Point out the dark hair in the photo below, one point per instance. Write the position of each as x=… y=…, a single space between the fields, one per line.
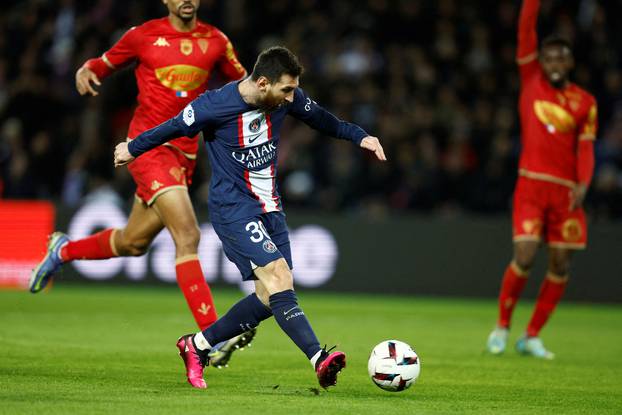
x=274 y=62
x=555 y=40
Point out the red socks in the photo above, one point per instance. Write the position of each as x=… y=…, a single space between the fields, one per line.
x=551 y=292
x=198 y=294
x=514 y=280
x=97 y=246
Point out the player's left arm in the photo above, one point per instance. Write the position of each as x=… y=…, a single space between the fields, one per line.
x=307 y=110
x=228 y=64
x=192 y=119
x=585 y=157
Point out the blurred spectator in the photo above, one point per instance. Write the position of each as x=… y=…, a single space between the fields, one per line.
x=436 y=81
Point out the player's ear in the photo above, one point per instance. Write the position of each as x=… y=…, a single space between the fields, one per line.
x=262 y=83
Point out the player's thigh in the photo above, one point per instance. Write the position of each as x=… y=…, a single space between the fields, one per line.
x=528 y=211
x=276 y=227
x=177 y=213
x=160 y=170
x=143 y=225
x=247 y=244
x=525 y=253
x=566 y=229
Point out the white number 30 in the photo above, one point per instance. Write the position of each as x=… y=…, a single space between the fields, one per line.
x=257 y=230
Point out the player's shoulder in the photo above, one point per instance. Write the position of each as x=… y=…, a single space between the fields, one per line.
x=211 y=29
x=221 y=99
x=153 y=24
x=586 y=96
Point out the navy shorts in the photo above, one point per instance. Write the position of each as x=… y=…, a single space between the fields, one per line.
x=255 y=242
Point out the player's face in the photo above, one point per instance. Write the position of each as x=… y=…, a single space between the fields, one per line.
x=556 y=62
x=186 y=10
x=273 y=95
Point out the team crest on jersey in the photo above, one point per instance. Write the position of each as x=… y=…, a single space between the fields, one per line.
x=269 y=246
x=185 y=46
x=203 y=45
x=255 y=125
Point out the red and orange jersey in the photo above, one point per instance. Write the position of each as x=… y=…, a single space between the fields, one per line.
x=172 y=69
x=557 y=125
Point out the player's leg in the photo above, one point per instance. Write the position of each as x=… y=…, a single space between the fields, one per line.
x=143 y=225
x=176 y=212
x=566 y=231
x=551 y=290
x=527 y=214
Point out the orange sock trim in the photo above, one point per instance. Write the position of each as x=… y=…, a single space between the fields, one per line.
x=551 y=291
x=514 y=280
x=196 y=291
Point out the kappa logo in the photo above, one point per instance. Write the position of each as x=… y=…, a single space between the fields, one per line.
x=161 y=42
x=155 y=185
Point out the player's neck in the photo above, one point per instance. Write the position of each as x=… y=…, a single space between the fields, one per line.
x=248 y=91
x=182 y=25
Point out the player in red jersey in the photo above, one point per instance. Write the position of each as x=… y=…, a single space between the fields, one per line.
x=558 y=123
x=174 y=58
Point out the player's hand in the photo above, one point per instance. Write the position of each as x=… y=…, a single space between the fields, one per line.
x=373 y=144
x=122 y=155
x=84 y=80
x=577 y=196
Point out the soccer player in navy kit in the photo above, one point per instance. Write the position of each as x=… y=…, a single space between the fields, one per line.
x=241 y=123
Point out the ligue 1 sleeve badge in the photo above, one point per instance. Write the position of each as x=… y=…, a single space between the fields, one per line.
x=269 y=246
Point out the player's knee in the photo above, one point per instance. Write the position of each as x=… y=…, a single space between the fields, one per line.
x=187 y=240
x=281 y=278
x=524 y=263
x=559 y=266
x=134 y=246
x=524 y=260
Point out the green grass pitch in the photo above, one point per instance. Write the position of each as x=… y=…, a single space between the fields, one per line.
x=111 y=350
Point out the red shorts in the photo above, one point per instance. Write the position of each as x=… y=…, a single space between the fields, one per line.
x=160 y=170
x=542 y=208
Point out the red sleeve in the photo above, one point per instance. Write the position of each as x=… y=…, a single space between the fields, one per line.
x=228 y=63
x=585 y=151
x=119 y=55
x=527 y=49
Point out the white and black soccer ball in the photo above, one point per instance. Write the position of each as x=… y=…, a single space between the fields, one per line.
x=393 y=365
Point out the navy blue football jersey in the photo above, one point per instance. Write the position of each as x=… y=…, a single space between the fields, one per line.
x=242 y=144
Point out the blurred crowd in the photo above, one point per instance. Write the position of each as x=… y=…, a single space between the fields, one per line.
x=436 y=81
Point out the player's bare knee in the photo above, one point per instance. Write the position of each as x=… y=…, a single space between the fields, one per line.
x=279 y=277
x=524 y=261
x=133 y=247
x=187 y=240
x=559 y=266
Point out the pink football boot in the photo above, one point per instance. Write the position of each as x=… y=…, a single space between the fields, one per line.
x=194 y=360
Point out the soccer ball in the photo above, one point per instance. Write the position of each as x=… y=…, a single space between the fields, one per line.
x=393 y=365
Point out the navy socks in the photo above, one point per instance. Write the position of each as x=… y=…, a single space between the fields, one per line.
x=243 y=316
x=293 y=321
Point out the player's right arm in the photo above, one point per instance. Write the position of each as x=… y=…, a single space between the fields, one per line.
x=192 y=119
x=527 y=47
x=94 y=70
